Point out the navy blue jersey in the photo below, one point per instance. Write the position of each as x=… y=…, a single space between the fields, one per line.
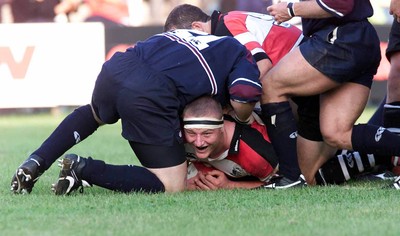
x=148 y=86
x=342 y=11
x=202 y=64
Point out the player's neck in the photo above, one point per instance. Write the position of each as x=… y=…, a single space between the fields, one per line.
x=229 y=128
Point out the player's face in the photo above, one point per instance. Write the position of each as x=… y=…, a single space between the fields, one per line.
x=206 y=142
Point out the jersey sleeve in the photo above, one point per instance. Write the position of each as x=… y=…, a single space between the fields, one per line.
x=235 y=22
x=244 y=84
x=338 y=8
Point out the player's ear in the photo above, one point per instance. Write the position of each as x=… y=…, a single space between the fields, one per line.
x=197 y=25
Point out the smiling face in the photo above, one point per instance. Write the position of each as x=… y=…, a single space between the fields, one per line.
x=207 y=143
x=203 y=125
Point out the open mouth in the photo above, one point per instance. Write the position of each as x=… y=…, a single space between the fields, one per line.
x=202 y=148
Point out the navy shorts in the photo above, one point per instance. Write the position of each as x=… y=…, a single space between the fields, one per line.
x=345 y=53
x=147 y=104
x=394 y=39
x=145 y=101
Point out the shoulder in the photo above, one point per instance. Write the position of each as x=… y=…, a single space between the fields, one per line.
x=337 y=7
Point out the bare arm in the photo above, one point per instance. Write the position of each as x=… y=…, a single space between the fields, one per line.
x=307 y=9
x=264 y=66
x=243 y=111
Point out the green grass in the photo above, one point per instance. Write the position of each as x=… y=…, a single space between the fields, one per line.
x=357 y=208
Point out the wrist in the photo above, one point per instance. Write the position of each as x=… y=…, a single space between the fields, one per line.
x=238 y=120
x=290 y=8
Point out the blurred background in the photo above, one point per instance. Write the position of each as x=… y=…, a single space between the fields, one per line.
x=52 y=50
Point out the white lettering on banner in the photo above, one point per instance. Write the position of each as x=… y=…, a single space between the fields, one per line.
x=49 y=64
x=17 y=68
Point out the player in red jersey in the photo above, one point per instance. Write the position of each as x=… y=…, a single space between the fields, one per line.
x=217 y=142
x=224 y=154
x=267 y=42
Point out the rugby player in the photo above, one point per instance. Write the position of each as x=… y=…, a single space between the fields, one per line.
x=334 y=67
x=147 y=88
x=267 y=41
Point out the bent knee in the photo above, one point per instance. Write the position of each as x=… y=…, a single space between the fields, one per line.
x=173 y=178
x=174 y=187
x=337 y=139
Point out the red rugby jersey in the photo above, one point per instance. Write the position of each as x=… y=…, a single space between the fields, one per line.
x=250 y=154
x=258 y=32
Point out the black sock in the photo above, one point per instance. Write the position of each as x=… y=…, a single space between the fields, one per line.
x=121 y=178
x=375 y=140
x=377 y=117
x=74 y=128
x=391 y=117
x=344 y=166
x=281 y=127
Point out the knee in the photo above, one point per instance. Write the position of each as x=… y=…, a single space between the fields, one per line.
x=337 y=138
x=271 y=88
x=174 y=186
x=173 y=178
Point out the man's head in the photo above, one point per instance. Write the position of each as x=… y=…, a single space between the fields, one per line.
x=187 y=16
x=204 y=126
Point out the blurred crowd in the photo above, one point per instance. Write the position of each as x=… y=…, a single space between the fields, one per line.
x=112 y=12
x=133 y=12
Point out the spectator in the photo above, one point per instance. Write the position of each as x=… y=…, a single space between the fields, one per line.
x=112 y=13
x=24 y=11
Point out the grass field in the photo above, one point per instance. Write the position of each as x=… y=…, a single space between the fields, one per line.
x=357 y=208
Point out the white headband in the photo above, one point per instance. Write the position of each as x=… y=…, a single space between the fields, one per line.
x=203 y=123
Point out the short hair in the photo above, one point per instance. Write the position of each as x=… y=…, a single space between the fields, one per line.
x=202 y=107
x=182 y=17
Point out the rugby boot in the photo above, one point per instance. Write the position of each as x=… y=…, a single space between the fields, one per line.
x=70 y=178
x=27 y=174
x=285 y=183
x=395 y=184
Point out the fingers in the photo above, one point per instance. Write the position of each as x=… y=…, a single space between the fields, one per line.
x=205 y=182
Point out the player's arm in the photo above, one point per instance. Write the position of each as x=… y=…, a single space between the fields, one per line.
x=310 y=9
x=242 y=111
x=238 y=28
x=264 y=66
x=245 y=87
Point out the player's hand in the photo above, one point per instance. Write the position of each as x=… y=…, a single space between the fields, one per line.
x=279 y=11
x=213 y=180
x=190 y=184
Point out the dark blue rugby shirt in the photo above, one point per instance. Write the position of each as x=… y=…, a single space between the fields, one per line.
x=202 y=64
x=342 y=11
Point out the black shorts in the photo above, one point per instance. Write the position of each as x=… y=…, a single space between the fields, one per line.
x=145 y=101
x=346 y=53
x=155 y=156
x=394 y=39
